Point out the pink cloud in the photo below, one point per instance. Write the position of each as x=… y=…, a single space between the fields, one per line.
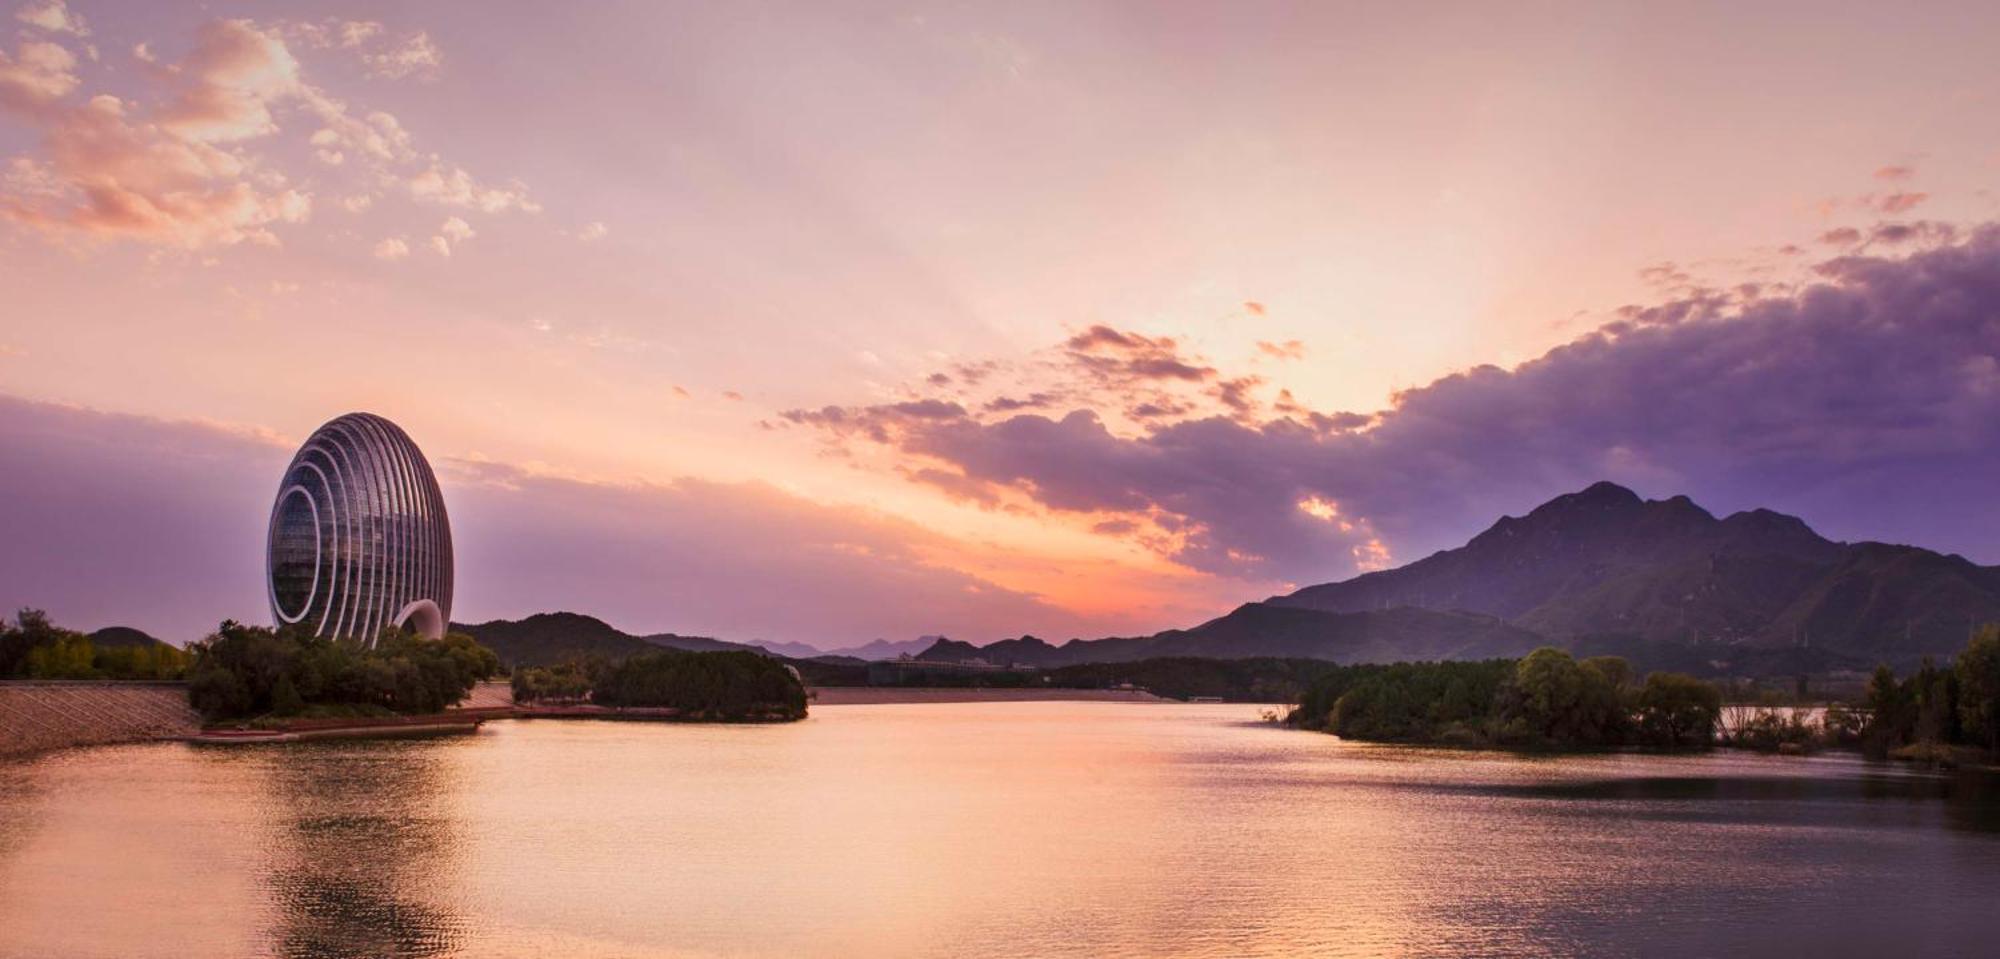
x=53 y=16
x=38 y=73
x=1112 y=355
x=413 y=56
x=1900 y=202
x=452 y=186
x=173 y=164
x=232 y=79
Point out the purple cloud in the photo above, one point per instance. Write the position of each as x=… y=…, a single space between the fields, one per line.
x=1864 y=402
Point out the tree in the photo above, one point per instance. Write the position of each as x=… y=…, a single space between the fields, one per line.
x=1678 y=711
x=1891 y=721
x=1614 y=669
x=34 y=647
x=285 y=699
x=1978 y=675
x=1933 y=695
x=1553 y=700
x=68 y=656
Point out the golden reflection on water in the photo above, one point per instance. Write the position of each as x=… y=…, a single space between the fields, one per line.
x=1096 y=829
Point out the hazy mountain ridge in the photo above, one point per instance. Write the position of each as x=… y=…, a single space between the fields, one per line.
x=872 y=650
x=548 y=638
x=1265 y=630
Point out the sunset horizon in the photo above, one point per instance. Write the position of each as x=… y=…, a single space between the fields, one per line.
x=958 y=339
x=1095 y=478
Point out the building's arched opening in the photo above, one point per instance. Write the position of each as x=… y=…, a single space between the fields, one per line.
x=422 y=618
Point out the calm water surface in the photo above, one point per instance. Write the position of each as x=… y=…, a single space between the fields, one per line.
x=1027 y=829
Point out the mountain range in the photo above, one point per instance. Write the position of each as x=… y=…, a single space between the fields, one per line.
x=548 y=638
x=871 y=650
x=1664 y=583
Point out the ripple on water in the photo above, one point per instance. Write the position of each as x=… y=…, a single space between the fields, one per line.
x=1099 y=829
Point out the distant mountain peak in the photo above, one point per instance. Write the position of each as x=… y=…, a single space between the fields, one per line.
x=1603 y=491
x=1603 y=562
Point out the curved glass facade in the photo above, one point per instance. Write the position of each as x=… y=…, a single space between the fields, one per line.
x=359 y=539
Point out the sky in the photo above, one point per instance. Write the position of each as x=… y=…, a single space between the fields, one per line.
x=828 y=322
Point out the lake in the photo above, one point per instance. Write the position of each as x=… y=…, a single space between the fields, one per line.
x=1023 y=829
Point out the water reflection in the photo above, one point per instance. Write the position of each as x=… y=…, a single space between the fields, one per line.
x=20 y=801
x=1079 y=829
x=363 y=850
x=1969 y=799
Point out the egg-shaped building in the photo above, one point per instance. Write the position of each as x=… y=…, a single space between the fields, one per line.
x=359 y=540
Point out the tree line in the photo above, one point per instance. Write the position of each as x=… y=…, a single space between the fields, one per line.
x=1545 y=700
x=33 y=647
x=251 y=671
x=717 y=685
x=1938 y=709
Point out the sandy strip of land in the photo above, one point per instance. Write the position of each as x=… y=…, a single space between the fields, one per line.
x=882 y=695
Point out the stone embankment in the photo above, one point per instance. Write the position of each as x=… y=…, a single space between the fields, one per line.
x=38 y=715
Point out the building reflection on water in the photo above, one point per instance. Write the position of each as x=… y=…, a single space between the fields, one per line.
x=364 y=848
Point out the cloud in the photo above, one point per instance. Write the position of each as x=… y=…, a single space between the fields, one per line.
x=410 y=55
x=1920 y=231
x=592 y=231
x=53 y=16
x=118 y=519
x=1841 y=236
x=114 y=175
x=1008 y=404
x=1111 y=355
x=37 y=74
x=452 y=230
x=392 y=248
x=1900 y=202
x=1864 y=401
x=452 y=186
x=1288 y=350
x=1895 y=172
x=115 y=519
x=183 y=161
x=230 y=82
x=354 y=33
x=413 y=56
x=111 y=170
